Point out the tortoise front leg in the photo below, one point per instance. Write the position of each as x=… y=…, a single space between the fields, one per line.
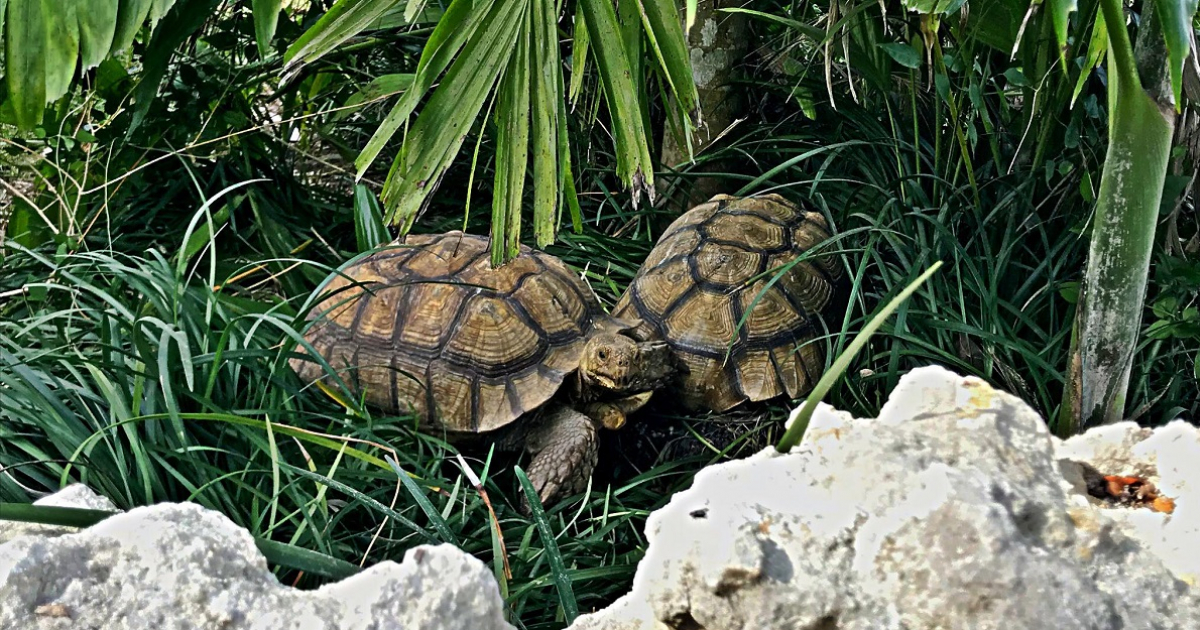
x=565 y=449
x=612 y=414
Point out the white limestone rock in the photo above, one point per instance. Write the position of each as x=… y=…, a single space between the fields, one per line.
x=180 y=566
x=75 y=495
x=949 y=511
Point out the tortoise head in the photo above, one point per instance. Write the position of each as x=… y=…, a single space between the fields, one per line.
x=610 y=361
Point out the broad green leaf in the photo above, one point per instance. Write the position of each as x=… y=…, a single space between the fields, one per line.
x=998 y=22
x=170 y=33
x=62 y=46
x=1017 y=77
x=380 y=86
x=97 y=25
x=512 y=148
x=547 y=96
x=131 y=14
x=345 y=19
x=661 y=20
x=444 y=43
x=566 y=179
x=26 y=227
x=629 y=19
x=413 y=8
x=1097 y=48
x=1060 y=12
x=579 y=55
x=369 y=229
x=932 y=7
x=1173 y=187
x=633 y=153
x=158 y=10
x=902 y=54
x=3 y=10
x=398 y=16
x=266 y=17
x=1176 y=18
x=25 y=54
x=440 y=129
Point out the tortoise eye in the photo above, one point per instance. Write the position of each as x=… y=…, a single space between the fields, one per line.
x=602 y=355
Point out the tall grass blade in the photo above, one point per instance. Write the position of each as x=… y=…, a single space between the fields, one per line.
x=795 y=432
x=435 y=517
x=558 y=570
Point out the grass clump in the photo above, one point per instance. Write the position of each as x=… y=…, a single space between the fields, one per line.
x=132 y=375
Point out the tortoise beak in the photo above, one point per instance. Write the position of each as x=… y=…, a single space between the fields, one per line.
x=606 y=382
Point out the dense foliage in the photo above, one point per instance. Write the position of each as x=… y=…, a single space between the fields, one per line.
x=161 y=253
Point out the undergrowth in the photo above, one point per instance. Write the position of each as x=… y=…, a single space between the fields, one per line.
x=146 y=356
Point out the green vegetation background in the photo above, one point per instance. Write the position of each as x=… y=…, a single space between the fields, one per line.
x=151 y=290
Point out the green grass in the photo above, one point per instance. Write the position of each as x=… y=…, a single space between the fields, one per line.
x=128 y=372
x=122 y=367
x=142 y=382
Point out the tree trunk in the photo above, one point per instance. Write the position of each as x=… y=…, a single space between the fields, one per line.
x=718 y=42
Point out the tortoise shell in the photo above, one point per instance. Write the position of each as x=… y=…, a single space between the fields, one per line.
x=431 y=328
x=706 y=274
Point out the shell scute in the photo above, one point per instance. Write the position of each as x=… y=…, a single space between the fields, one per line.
x=429 y=327
x=733 y=247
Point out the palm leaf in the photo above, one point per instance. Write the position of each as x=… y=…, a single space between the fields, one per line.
x=512 y=148
x=440 y=129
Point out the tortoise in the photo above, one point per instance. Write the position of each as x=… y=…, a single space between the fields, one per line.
x=706 y=271
x=481 y=354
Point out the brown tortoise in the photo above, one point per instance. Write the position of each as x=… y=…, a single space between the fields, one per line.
x=476 y=352
x=705 y=273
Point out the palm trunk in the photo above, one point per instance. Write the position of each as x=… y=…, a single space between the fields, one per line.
x=1141 y=124
x=717 y=43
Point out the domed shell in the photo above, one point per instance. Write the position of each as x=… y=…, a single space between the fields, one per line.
x=709 y=271
x=430 y=327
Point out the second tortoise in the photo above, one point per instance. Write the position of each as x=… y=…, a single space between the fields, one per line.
x=706 y=290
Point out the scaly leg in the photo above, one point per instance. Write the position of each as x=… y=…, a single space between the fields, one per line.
x=565 y=448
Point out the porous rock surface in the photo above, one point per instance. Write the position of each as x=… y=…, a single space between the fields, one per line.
x=954 y=509
x=181 y=566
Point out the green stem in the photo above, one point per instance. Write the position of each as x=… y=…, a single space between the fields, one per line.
x=1114 y=285
x=1119 y=47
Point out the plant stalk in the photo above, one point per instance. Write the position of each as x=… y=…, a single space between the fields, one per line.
x=1114 y=286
